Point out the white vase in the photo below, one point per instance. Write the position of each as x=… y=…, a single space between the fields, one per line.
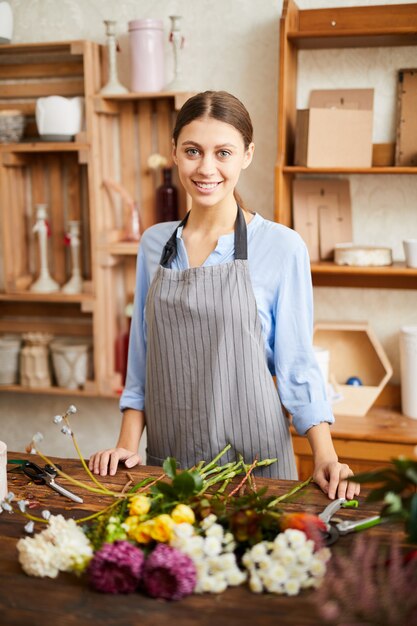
x=45 y=283
x=59 y=118
x=408 y=363
x=6 y=22
x=113 y=85
x=75 y=283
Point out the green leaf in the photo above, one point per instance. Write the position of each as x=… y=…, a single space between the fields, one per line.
x=393 y=503
x=376 y=476
x=412 y=521
x=166 y=490
x=411 y=474
x=183 y=484
x=198 y=481
x=170 y=467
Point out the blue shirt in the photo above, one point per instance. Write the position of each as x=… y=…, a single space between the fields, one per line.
x=280 y=274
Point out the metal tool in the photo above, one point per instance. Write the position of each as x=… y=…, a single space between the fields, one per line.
x=46 y=475
x=346 y=526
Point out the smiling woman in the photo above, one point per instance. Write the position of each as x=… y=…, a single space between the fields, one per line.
x=214 y=321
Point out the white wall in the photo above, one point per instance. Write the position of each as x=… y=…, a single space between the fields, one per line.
x=233 y=45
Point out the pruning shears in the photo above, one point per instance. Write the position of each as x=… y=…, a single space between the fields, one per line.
x=46 y=476
x=333 y=531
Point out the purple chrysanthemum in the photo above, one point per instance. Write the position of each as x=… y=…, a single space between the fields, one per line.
x=169 y=574
x=116 y=568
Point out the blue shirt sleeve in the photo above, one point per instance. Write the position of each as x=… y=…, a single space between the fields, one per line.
x=300 y=384
x=133 y=396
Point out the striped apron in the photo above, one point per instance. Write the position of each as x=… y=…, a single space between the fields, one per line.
x=207 y=379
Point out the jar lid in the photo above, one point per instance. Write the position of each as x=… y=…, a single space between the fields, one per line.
x=145 y=23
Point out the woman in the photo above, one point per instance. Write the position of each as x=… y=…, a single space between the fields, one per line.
x=223 y=302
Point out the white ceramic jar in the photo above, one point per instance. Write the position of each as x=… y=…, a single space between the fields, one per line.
x=147 y=55
x=59 y=118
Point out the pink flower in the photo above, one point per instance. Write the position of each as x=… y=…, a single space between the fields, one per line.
x=169 y=574
x=116 y=568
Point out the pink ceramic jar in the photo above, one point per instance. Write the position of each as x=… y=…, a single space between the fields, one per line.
x=147 y=55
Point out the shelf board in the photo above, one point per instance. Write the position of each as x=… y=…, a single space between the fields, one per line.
x=54 y=391
x=44 y=146
x=108 y=103
x=355 y=27
x=26 y=296
x=298 y=169
x=396 y=276
x=122 y=248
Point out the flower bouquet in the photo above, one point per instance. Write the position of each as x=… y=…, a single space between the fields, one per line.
x=179 y=533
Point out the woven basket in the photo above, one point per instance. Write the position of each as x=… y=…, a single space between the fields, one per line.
x=12 y=124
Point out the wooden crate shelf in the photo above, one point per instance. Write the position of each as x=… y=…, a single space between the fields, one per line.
x=335 y=27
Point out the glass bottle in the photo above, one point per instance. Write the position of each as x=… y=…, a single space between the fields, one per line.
x=167 y=198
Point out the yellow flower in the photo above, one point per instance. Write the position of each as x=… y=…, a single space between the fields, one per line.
x=143 y=531
x=162 y=528
x=139 y=505
x=183 y=514
x=130 y=524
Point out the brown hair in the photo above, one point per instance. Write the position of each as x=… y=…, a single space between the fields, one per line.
x=218 y=105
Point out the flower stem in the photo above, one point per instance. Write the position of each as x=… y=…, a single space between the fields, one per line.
x=87 y=469
x=216 y=458
x=78 y=483
x=244 y=479
x=291 y=492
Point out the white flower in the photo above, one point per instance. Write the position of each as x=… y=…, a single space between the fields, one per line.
x=317 y=568
x=208 y=521
x=255 y=584
x=38 y=557
x=29 y=527
x=22 y=505
x=156 y=160
x=258 y=552
x=65 y=430
x=292 y=587
x=278 y=573
x=235 y=577
x=296 y=538
x=37 y=437
x=323 y=555
x=215 y=530
x=304 y=554
x=62 y=546
x=212 y=546
x=287 y=557
x=280 y=542
x=184 y=530
x=46 y=514
x=58 y=419
x=71 y=410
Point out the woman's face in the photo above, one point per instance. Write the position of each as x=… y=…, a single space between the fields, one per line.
x=210 y=156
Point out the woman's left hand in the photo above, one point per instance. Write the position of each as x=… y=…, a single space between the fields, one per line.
x=332 y=476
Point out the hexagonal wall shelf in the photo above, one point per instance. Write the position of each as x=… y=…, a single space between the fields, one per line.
x=354 y=351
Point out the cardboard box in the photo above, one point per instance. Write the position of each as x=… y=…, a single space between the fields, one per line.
x=336 y=131
x=406 y=144
x=322 y=215
x=354 y=351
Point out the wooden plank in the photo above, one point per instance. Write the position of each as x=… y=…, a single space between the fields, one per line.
x=40 y=70
x=364 y=21
x=128 y=159
x=164 y=128
x=147 y=199
x=56 y=326
x=37 y=90
x=406 y=131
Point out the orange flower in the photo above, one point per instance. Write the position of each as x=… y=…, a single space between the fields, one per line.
x=143 y=531
x=308 y=523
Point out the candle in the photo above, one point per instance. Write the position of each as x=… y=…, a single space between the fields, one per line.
x=3 y=470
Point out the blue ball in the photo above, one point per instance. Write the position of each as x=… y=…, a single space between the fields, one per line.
x=355 y=381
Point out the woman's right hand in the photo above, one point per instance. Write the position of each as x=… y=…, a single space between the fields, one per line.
x=106 y=461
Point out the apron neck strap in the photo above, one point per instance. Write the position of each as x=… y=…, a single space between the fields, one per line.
x=241 y=240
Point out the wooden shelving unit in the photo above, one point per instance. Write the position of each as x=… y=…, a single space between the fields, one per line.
x=120 y=133
x=352 y=27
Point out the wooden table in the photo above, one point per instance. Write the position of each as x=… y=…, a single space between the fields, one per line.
x=67 y=601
